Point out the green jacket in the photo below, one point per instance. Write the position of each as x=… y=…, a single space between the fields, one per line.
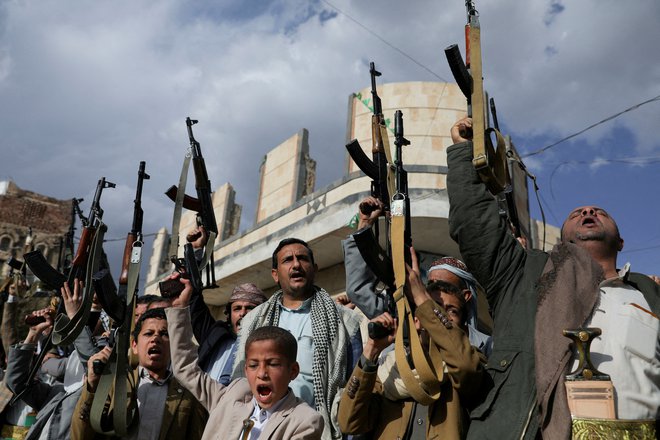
x=509 y=274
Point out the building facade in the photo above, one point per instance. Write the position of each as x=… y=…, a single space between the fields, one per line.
x=288 y=205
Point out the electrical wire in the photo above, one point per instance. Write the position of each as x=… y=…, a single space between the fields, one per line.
x=609 y=118
x=383 y=40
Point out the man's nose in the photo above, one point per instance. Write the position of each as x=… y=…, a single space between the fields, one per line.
x=589 y=211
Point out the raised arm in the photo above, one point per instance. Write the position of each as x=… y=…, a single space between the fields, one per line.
x=184 y=354
x=488 y=248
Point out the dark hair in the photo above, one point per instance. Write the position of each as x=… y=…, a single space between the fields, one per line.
x=157 y=313
x=284 y=341
x=445 y=287
x=148 y=299
x=288 y=241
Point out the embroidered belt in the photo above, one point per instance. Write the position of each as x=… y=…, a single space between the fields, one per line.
x=588 y=429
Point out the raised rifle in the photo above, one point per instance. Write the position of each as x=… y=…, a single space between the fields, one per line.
x=120 y=305
x=203 y=204
x=188 y=268
x=490 y=162
x=506 y=197
x=83 y=265
x=115 y=301
x=378 y=259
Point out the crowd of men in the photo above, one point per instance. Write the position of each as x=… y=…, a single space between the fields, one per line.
x=300 y=365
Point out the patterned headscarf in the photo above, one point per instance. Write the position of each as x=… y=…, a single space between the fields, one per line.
x=458 y=268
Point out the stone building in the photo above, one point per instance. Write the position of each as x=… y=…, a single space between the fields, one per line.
x=20 y=210
x=288 y=205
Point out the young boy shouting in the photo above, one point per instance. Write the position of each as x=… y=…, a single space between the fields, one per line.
x=260 y=406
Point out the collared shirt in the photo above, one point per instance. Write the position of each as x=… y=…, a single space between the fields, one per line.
x=628 y=348
x=151 y=396
x=222 y=359
x=261 y=416
x=298 y=322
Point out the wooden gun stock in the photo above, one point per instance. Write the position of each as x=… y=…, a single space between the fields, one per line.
x=126 y=258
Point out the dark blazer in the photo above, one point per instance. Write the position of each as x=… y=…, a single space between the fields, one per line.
x=208 y=332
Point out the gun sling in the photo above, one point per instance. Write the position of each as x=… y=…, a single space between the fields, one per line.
x=66 y=330
x=491 y=164
x=430 y=370
x=178 y=205
x=117 y=373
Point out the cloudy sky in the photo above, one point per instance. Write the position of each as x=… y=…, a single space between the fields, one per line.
x=88 y=89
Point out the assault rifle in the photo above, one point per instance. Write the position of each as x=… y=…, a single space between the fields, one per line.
x=510 y=211
x=52 y=277
x=120 y=305
x=490 y=162
x=67 y=245
x=115 y=302
x=188 y=268
x=203 y=204
x=83 y=266
x=378 y=259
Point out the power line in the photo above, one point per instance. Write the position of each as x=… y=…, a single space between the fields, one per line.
x=384 y=41
x=609 y=118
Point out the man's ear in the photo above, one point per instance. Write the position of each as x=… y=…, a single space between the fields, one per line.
x=273 y=273
x=134 y=346
x=294 y=370
x=467 y=294
x=620 y=244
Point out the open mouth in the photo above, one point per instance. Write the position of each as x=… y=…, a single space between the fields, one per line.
x=154 y=351
x=588 y=221
x=297 y=276
x=264 y=391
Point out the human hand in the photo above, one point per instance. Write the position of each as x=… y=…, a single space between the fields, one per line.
x=198 y=237
x=461 y=131
x=183 y=299
x=42 y=327
x=72 y=301
x=370 y=209
x=345 y=301
x=414 y=287
x=93 y=378
x=374 y=347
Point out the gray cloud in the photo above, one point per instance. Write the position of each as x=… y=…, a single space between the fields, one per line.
x=89 y=89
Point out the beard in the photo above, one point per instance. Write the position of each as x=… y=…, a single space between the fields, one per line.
x=591 y=236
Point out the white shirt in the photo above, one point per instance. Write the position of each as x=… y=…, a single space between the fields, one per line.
x=261 y=416
x=628 y=348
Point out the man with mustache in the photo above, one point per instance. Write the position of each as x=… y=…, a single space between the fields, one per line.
x=328 y=334
x=535 y=295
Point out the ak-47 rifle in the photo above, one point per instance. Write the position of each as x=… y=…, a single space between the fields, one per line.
x=55 y=279
x=377 y=259
x=203 y=204
x=83 y=265
x=510 y=212
x=188 y=268
x=120 y=305
x=67 y=245
x=114 y=301
x=490 y=162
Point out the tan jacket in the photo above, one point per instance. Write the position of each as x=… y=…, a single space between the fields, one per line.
x=230 y=405
x=184 y=417
x=363 y=408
